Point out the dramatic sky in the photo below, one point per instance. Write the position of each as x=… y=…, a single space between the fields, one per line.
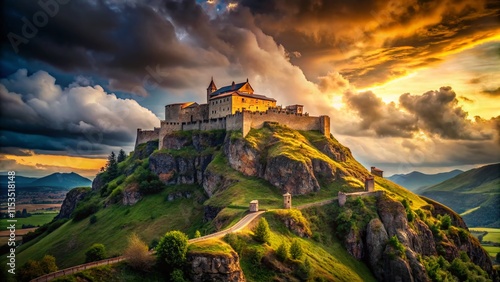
x=409 y=85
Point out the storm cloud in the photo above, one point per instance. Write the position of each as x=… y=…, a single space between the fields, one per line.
x=37 y=113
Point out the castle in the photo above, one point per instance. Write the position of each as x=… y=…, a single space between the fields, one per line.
x=232 y=107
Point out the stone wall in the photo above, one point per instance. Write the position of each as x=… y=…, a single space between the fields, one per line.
x=165 y=128
x=144 y=136
x=294 y=121
x=342 y=197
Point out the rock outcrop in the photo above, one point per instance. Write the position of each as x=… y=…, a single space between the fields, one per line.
x=71 y=200
x=214 y=267
x=131 y=195
x=172 y=169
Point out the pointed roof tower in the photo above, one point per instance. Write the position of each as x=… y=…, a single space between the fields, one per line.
x=212 y=87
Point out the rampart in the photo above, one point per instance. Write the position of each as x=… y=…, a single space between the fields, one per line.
x=144 y=136
x=343 y=196
x=241 y=121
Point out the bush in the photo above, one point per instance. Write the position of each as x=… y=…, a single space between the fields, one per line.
x=304 y=270
x=235 y=242
x=262 y=232
x=95 y=252
x=137 y=254
x=33 y=269
x=282 y=252
x=197 y=234
x=497 y=258
x=296 y=251
x=254 y=254
x=85 y=209
x=445 y=222
x=177 y=276
x=172 y=249
x=400 y=249
x=93 y=219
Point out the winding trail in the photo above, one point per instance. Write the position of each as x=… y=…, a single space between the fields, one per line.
x=241 y=224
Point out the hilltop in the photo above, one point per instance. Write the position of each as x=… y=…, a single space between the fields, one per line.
x=204 y=180
x=475 y=194
x=416 y=181
x=55 y=180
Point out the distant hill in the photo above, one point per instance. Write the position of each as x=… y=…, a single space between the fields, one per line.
x=56 y=180
x=416 y=181
x=475 y=194
x=63 y=180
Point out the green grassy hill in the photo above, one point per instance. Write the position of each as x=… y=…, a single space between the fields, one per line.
x=475 y=194
x=105 y=219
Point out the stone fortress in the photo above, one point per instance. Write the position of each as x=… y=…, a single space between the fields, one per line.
x=232 y=107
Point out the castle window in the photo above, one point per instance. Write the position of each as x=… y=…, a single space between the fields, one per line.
x=242 y=99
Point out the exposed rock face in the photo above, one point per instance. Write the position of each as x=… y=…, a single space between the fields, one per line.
x=73 y=197
x=143 y=151
x=210 y=212
x=416 y=238
x=291 y=176
x=213 y=182
x=179 y=169
x=97 y=183
x=242 y=157
x=209 y=267
x=131 y=195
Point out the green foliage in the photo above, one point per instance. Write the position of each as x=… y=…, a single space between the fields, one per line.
x=85 y=208
x=282 y=252
x=398 y=247
x=172 y=248
x=235 y=242
x=177 y=276
x=121 y=156
x=460 y=269
x=409 y=213
x=33 y=268
x=149 y=183
x=262 y=233
x=93 y=219
x=197 y=234
x=296 y=250
x=445 y=222
x=111 y=167
x=254 y=254
x=355 y=214
x=497 y=258
x=304 y=270
x=95 y=252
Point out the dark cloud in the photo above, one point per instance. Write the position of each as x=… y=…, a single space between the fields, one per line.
x=492 y=92
x=383 y=119
x=438 y=113
x=79 y=120
x=434 y=113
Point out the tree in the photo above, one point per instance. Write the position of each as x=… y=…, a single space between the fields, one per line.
x=121 y=156
x=262 y=231
x=197 y=234
x=445 y=222
x=95 y=252
x=177 y=276
x=32 y=268
x=296 y=251
x=112 y=166
x=137 y=254
x=282 y=252
x=172 y=249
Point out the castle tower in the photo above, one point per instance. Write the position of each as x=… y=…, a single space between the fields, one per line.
x=287 y=200
x=377 y=172
x=211 y=89
x=369 y=184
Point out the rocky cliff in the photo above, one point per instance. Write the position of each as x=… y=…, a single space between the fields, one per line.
x=214 y=267
x=73 y=197
x=394 y=247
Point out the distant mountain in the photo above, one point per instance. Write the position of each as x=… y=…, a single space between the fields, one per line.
x=416 y=181
x=55 y=180
x=475 y=194
x=63 y=180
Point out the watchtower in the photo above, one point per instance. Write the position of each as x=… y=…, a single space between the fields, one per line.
x=287 y=200
x=254 y=206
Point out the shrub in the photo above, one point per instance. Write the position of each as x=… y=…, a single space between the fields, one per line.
x=177 y=276
x=33 y=269
x=304 y=270
x=400 y=249
x=93 y=219
x=85 y=209
x=262 y=232
x=95 y=252
x=197 y=234
x=497 y=258
x=254 y=254
x=235 y=242
x=296 y=251
x=282 y=252
x=137 y=254
x=172 y=249
x=445 y=222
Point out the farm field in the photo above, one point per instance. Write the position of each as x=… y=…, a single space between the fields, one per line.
x=35 y=220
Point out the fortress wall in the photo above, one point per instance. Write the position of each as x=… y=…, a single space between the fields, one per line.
x=294 y=121
x=234 y=122
x=212 y=124
x=165 y=128
x=144 y=136
x=172 y=112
